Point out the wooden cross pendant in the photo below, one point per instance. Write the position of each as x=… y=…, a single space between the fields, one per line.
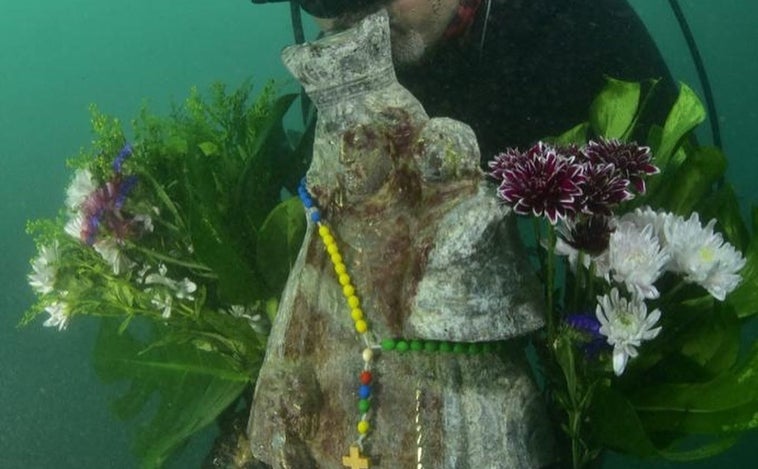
x=355 y=460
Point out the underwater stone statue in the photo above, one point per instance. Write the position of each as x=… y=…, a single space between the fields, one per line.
x=435 y=260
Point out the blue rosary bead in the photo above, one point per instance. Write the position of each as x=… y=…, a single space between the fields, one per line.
x=364 y=391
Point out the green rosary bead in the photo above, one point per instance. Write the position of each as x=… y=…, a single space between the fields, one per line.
x=417 y=345
x=459 y=348
x=364 y=405
x=402 y=346
x=388 y=344
x=431 y=346
x=446 y=347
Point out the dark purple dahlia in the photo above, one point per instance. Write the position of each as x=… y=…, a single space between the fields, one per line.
x=603 y=189
x=632 y=162
x=590 y=234
x=502 y=162
x=542 y=182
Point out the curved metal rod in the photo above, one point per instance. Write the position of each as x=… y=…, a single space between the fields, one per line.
x=701 y=72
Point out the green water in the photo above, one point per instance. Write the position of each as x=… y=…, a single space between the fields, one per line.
x=58 y=57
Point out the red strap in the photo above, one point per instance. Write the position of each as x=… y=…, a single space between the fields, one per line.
x=463 y=19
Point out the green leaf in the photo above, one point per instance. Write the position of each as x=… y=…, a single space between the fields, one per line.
x=708 y=450
x=615 y=424
x=744 y=299
x=259 y=183
x=191 y=388
x=724 y=207
x=613 y=110
x=686 y=114
x=279 y=242
x=576 y=135
x=713 y=343
x=728 y=403
x=683 y=188
x=208 y=148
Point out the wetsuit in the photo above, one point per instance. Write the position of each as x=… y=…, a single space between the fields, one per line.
x=541 y=64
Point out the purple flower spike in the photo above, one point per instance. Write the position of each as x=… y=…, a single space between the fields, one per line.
x=123 y=189
x=125 y=152
x=632 y=162
x=590 y=327
x=586 y=323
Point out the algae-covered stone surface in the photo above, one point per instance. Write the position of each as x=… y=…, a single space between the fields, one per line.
x=432 y=256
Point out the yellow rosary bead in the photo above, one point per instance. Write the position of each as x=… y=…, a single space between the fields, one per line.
x=340 y=268
x=336 y=258
x=356 y=314
x=361 y=326
x=323 y=230
x=352 y=300
x=344 y=279
x=329 y=240
x=348 y=291
x=363 y=427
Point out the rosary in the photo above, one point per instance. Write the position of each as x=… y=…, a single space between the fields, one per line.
x=355 y=459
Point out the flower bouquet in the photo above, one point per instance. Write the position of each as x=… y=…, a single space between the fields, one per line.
x=182 y=240
x=640 y=252
x=182 y=237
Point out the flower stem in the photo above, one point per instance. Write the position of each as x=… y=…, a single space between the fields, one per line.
x=550 y=281
x=170 y=260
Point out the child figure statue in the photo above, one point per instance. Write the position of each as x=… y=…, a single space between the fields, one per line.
x=441 y=288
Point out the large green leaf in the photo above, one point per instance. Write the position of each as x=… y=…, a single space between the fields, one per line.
x=279 y=241
x=713 y=343
x=576 y=135
x=684 y=187
x=613 y=111
x=191 y=388
x=728 y=403
x=724 y=207
x=687 y=113
x=744 y=299
x=615 y=424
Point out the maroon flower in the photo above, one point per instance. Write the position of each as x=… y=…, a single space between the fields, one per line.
x=542 y=182
x=502 y=162
x=602 y=189
x=590 y=234
x=632 y=162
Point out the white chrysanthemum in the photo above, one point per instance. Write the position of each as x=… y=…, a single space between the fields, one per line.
x=80 y=188
x=74 y=225
x=42 y=279
x=642 y=217
x=111 y=252
x=636 y=258
x=723 y=279
x=58 y=315
x=702 y=256
x=625 y=324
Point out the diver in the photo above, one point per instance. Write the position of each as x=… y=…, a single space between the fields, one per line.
x=514 y=70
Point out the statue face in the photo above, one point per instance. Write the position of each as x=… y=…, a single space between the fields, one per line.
x=416 y=25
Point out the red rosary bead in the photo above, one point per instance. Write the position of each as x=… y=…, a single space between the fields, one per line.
x=366 y=377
